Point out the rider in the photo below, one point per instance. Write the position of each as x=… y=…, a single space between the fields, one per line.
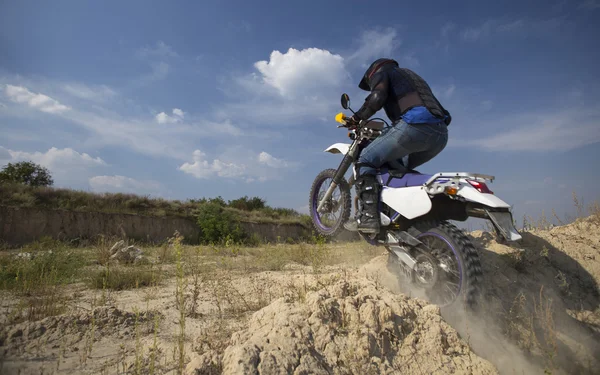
x=418 y=132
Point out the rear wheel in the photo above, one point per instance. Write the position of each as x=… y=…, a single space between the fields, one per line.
x=337 y=208
x=450 y=270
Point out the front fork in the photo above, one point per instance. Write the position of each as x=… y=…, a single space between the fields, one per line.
x=339 y=175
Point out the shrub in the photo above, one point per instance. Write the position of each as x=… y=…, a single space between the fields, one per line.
x=217 y=224
x=123 y=278
x=248 y=204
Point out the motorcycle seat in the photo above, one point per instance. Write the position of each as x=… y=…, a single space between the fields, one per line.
x=397 y=179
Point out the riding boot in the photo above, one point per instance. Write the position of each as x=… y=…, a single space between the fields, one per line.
x=367 y=189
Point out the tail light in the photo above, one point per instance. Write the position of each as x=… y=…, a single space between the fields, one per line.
x=480 y=186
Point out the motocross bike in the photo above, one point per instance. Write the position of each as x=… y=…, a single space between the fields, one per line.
x=425 y=248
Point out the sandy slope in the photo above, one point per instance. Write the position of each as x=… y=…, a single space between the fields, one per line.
x=344 y=320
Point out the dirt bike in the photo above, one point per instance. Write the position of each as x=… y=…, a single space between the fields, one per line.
x=425 y=248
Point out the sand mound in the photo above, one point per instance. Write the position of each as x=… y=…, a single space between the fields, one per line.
x=349 y=327
x=539 y=312
x=543 y=295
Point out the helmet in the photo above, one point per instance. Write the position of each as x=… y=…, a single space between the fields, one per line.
x=374 y=67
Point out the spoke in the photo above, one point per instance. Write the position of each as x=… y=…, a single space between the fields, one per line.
x=449 y=284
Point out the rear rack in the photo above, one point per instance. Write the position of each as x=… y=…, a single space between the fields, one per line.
x=475 y=176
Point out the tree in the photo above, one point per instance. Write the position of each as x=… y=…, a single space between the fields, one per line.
x=26 y=172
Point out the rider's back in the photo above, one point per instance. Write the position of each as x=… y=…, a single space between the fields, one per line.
x=407 y=95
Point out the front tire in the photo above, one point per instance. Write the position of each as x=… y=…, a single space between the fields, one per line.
x=459 y=276
x=340 y=203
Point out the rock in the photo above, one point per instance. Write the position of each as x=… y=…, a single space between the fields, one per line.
x=27 y=256
x=117 y=246
x=130 y=254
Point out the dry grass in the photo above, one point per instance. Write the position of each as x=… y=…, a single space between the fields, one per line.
x=42 y=285
x=36 y=275
x=199 y=275
x=591 y=211
x=66 y=199
x=124 y=277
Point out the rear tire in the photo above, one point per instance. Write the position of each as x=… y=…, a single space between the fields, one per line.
x=343 y=204
x=461 y=251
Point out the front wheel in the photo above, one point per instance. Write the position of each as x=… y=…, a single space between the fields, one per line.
x=337 y=208
x=450 y=271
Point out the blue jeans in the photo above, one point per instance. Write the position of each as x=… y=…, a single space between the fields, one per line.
x=419 y=142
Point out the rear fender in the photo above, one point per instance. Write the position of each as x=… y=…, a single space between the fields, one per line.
x=473 y=195
x=493 y=209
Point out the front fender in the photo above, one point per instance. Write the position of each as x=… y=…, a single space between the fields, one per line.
x=338 y=148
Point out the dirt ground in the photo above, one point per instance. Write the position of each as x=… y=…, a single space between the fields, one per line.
x=334 y=310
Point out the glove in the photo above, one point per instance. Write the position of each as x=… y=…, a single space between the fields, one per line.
x=352 y=122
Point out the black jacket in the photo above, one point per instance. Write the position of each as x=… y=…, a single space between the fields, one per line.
x=397 y=90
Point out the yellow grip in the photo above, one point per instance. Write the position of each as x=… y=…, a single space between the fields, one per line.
x=341 y=118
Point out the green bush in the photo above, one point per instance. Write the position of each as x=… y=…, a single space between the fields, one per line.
x=248 y=204
x=217 y=224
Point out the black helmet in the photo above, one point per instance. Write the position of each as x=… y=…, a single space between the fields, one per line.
x=364 y=82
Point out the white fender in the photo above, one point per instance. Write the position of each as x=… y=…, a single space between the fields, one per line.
x=470 y=193
x=409 y=202
x=338 y=148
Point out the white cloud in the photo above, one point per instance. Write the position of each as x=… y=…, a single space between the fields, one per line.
x=141 y=134
x=305 y=85
x=562 y=131
x=163 y=118
x=202 y=168
x=298 y=72
x=236 y=164
x=161 y=49
x=523 y=26
x=147 y=137
x=122 y=184
x=160 y=70
x=178 y=112
x=156 y=57
x=374 y=44
x=44 y=103
x=299 y=84
x=55 y=159
x=269 y=160
x=66 y=165
x=472 y=34
x=88 y=92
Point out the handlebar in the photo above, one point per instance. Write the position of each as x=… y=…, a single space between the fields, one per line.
x=369 y=124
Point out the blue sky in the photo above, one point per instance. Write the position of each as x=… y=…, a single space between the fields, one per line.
x=185 y=99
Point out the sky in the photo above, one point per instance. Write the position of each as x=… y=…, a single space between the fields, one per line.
x=188 y=99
